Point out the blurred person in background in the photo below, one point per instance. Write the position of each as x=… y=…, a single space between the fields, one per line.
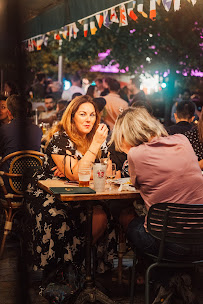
x=4 y=116
x=195 y=137
x=10 y=88
x=100 y=101
x=106 y=89
x=184 y=96
x=55 y=90
x=75 y=88
x=134 y=90
x=114 y=104
x=60 y=108
x=50 y=108
x=124 y=93
x=102 y=90
x=184 y=117
x=38 y=88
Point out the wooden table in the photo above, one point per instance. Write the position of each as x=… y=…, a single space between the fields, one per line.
x=90 y=292
x=106 y=195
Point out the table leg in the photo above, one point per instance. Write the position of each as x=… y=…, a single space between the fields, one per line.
x=90 y=293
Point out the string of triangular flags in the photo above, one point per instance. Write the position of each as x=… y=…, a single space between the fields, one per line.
x=117 y=14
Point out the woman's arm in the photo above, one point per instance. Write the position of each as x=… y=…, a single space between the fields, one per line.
x=68 y=165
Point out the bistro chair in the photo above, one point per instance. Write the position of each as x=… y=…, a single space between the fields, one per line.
x=11 y=199
x=173 y=223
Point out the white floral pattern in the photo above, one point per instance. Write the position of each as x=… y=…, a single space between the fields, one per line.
x=58 y=229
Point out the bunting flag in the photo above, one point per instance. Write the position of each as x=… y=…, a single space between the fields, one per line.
x=45 y=40
x=176 y=5
x=131 y=12
x=113 y=16
x=123 y=16
x=85 y=27
x=57 y=36
x=93 y=28
x=106 y=22
x=39 y=44
x=103 y=18
x=75 y=30
x=100 y=20
x=152 y=13
x=167 y=4
x=70 y=31
x=140 y=8
x=30 y=45
x=65 y=32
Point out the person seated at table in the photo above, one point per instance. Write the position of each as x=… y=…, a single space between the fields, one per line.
x=4 y=117
x=195 y=137
x=59 y=228
x=184 y=117
x=158 y=169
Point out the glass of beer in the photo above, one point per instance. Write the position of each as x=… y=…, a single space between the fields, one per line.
x=84 y=174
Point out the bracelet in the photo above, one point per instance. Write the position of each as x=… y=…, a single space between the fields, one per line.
x=92 y=152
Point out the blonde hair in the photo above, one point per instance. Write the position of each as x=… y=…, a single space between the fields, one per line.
x=67 y=124
x=136 y=126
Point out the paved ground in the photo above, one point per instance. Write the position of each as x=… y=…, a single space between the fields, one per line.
x=12 y=284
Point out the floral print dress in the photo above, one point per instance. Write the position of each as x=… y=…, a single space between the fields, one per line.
x=58 y=228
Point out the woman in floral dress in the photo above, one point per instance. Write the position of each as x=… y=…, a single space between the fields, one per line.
x=58 y=228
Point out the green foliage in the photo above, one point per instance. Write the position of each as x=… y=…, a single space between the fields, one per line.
x=171 y=42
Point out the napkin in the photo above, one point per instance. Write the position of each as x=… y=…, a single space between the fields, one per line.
x=126 y=187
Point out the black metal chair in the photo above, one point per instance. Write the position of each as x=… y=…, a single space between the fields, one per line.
x=19 y=162
x=178 y=224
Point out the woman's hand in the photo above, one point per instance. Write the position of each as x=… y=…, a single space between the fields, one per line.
x=57 y=172
x=100 y=134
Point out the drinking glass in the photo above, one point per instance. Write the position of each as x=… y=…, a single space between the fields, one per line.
x=111 y=174
x=99 y=177
x=84 y=173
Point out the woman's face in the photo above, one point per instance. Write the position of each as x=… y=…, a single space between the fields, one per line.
x=85 y=118
x=3 y=110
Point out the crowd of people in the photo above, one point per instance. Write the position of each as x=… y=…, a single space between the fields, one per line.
x=110 y=123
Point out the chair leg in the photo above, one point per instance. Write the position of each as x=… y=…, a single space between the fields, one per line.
x=147 y=282
x=94 y=261
x=132 y=285
x=7 y=229
x=121 y=251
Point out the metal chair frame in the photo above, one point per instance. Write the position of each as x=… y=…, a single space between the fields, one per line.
x=12 y=202
x=172 y=223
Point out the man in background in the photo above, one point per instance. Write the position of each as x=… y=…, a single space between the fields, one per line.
x=75 y=88
x=114 y=104
x=101 y=87
x=50 y=108
x=134 y=90
x=39 y=87
x=184 y=117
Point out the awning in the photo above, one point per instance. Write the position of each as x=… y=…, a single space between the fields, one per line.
x=56 y=14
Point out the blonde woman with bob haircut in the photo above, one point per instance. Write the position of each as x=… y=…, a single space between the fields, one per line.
x=164 y=168
x=59 y=231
